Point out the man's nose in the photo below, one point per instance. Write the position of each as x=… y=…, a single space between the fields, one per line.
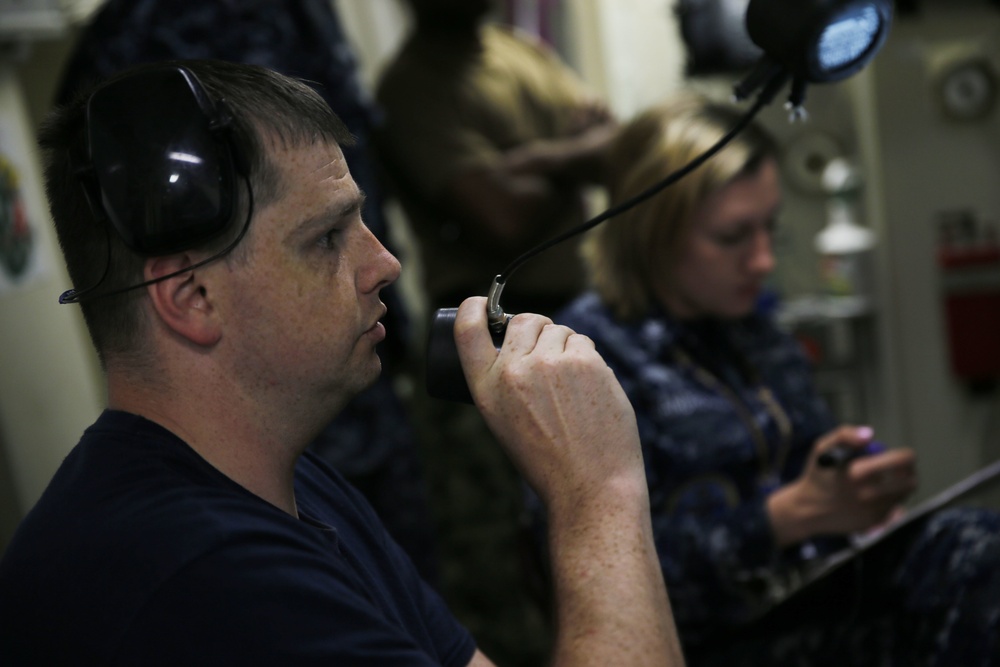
x=382 y=268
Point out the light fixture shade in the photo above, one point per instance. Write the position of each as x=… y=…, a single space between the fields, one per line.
x=819 y=41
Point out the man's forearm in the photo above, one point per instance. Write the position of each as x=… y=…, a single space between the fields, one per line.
x=565 y=421
x=611 y=602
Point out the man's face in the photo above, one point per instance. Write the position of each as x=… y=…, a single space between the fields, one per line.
x=727 y=252
x=302 y=309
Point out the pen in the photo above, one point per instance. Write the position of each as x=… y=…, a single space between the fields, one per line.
x=840 y=456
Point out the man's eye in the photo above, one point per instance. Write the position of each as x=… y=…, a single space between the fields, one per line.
x=329 y=240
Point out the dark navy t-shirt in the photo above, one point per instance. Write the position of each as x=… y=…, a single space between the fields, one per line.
x=141 y=553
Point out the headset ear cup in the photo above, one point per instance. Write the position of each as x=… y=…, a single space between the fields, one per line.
x=224 y=124
x=158 y=165
x=163 y=160
x=91 y=191
x=240 y=160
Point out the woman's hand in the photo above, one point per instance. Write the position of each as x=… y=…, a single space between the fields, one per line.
x=839 y=501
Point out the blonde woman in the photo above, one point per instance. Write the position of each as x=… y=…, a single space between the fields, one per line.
x=732 y=427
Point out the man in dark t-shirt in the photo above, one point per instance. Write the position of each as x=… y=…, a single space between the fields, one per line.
x=372 y=442
x=213 y=231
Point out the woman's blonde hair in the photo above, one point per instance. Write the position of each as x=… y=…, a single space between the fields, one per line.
x=626 y=255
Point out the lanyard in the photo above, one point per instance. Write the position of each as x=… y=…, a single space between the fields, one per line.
x=769 y=469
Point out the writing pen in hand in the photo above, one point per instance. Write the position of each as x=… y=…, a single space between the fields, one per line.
x=840 y=456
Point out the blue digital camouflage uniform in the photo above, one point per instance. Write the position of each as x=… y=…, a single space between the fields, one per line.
x=372 y=442
x=709 y=477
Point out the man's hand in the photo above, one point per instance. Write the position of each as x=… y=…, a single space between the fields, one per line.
x=554 y=404
x=562 y=416
x=826 y=501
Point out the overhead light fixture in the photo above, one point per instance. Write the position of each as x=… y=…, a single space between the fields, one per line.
x=821 y=41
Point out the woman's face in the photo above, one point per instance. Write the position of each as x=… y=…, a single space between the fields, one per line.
x=726 y=254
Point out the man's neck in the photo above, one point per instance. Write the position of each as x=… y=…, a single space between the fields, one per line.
x=256 y=452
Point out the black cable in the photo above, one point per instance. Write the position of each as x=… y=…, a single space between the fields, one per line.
x=74 y=296
x=763 y=99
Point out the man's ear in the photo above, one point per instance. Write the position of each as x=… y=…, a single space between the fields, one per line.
x=182 y=302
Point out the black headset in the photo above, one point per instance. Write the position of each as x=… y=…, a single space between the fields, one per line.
x=160 y=164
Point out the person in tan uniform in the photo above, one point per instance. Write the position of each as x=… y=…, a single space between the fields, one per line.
x=492 y=140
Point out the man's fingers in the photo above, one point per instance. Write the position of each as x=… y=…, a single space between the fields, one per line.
x=472 y=338
x=552 y=338
x=523 y=335
x=581 y=342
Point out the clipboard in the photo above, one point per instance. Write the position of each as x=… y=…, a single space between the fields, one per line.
x=980 y=482
x=836 y=586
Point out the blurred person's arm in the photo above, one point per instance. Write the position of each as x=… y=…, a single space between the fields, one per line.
x=513 y=200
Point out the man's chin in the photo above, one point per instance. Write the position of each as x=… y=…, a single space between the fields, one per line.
x=358 y=382
x=371 y=373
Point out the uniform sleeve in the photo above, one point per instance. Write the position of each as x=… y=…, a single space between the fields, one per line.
x=718 y=554
x=715 y=562
x=791 y=376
